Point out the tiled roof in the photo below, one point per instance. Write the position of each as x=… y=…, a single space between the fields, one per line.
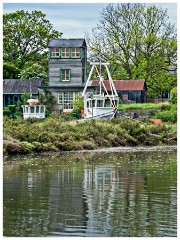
x=79 y=42
x=20 y=86
x=123 y=85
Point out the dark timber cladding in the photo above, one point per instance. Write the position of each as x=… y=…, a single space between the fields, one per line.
x=67 y=62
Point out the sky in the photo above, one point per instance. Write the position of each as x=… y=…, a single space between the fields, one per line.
x=76 y=19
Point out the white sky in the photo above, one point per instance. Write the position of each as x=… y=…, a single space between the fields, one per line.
x=74 y=19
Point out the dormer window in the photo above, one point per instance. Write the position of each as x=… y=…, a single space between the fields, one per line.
x=75 y=52
x=65 y=52
x=55 y=52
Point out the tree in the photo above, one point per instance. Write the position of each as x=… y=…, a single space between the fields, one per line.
x=34 y=71
x=138 y=41
x=48 y=99
x=26 y=37
x=10 y=70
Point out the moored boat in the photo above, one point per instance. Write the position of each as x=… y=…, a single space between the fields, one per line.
x=104 y=104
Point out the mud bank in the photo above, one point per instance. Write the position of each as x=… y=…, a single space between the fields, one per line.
x=130 y=149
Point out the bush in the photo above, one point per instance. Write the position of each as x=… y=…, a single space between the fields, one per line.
x=7 y=112
x=47 y=113
x=174 y=95
x=167 y=116
x=12 y=108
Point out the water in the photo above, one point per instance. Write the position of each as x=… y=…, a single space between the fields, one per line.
x=91 y=195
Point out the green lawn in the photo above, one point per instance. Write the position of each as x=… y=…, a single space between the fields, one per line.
x=143 y=106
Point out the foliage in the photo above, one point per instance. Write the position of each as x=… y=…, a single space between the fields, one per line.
x=143 y=106
x=174 y=95
x=34 y=71
x=25 y=97
x=139 y=42
x=6 y=112
x=52 y=134
x=10 y=70
x=12 y=108
x=25 y=39
x=78 y=105
x=49 y=100
x=167 y=116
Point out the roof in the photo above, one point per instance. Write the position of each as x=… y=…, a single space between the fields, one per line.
x=14 y=86
x=78 y=42
x=123 y=85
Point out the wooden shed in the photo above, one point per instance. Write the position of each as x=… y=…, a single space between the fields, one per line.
x=129 y=91
x=14 y=88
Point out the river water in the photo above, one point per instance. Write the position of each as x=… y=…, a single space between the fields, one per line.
x=110 y=194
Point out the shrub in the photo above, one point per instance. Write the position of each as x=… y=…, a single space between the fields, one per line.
x=167 y=116
x=12 y=108
x=7 y=112
x=174 y=95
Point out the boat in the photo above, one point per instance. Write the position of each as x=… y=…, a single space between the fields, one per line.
x=33 y=110
x=104 y=104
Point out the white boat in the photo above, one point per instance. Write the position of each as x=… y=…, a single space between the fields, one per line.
x=33 y=110
x=103 y=105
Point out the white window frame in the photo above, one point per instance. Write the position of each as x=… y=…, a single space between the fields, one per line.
x=55 y=53
x=65 y=99
x=65 y=75
x=65 y=52
x=75 y=52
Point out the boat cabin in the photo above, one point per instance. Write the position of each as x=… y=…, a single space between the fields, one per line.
x=99 y=106
x=32 y=110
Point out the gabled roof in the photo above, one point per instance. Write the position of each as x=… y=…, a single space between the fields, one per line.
x=78 y=42
x=123 y=85
x=15 y=86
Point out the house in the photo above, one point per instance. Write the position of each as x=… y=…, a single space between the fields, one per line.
x=67 y=60
x=67 y=70
x=129 y=91
x=14 y=88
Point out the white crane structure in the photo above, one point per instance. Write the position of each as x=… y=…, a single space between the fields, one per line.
x=102 y=105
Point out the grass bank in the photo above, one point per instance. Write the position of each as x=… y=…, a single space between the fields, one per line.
x=52 y=134
x=145 y=106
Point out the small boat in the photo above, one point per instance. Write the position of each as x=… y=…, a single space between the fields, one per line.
x=104 y=104
x=33 y=110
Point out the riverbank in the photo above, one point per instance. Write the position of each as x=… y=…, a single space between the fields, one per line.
x=133 y=149
x=55 y=135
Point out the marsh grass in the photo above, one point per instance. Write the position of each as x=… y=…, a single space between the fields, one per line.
x=51 y=134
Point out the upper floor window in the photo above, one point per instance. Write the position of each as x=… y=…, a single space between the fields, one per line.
x=55 y=52
x=65 y=75
x=65 y=53
x=75 y=52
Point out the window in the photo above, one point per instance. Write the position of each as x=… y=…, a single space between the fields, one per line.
x=37 y=109
x=42 y=109
x=65 y=75
x=99 y=103
x=31 y=109
x=107 y=103
x=65 y=53
x=75 y=52
x=65 y=99
x=55 y=52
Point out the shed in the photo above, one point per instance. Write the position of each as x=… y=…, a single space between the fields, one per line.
x=14 y=88
x=129 y=91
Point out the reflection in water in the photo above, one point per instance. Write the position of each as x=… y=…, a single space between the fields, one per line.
x=110 y=194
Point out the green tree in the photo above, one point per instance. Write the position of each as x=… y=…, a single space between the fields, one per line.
x=48 y=99
x=26 y=37
x=34 y=71
x=138 y=41
x=10 y=70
